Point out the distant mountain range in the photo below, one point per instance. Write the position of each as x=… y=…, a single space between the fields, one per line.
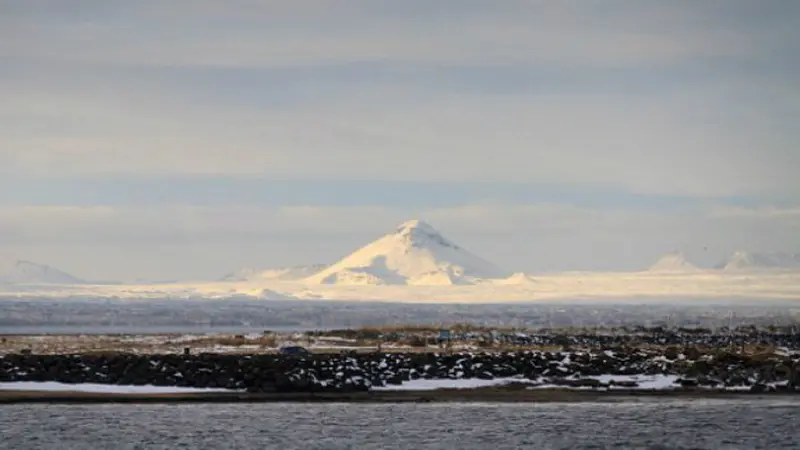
x=744 y=261
x=417 y=254
x=413 y=254
x=32 y=273
x=739 y=261
x=27 y=272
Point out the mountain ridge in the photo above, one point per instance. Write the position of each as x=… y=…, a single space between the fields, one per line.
x=28 y=272
x=673 y=262
x=743 y=261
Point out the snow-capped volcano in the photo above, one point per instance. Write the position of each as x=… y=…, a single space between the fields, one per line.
x=673 y=262
x=415 y=254
x=26 y=272
x=746 y=261
x=281 y=273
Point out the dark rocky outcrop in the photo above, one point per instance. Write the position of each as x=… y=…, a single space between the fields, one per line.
x=351 y=373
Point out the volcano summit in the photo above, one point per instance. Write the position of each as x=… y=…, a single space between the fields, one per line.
x=415 y=254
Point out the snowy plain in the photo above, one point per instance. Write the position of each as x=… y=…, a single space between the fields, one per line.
x=565 y=286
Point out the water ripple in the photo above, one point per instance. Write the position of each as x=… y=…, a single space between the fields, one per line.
x=735 y=424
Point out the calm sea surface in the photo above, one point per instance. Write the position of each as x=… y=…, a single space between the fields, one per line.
x=758 y=424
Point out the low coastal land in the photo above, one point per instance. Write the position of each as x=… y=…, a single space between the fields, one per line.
x=404 y=365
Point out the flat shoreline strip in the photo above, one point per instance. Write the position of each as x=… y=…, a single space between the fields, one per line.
x=438 y=396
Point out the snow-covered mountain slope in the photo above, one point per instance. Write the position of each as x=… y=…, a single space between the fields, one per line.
x=753 y=261
x=518 y=278
x=673 y=262
x=415 y=254
x=26 y=272
x=281 y=273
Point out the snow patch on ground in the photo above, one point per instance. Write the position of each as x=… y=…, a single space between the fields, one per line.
x=431 y=385
x=645 y=382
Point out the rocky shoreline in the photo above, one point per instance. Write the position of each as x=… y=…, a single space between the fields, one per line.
x=599 y=370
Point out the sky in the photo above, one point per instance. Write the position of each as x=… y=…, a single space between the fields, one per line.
x=185 y=139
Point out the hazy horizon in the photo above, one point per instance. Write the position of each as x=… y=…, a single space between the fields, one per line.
x=184 y=140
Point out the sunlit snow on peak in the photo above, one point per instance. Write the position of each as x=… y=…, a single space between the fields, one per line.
x=419 y=234
x=414 y=254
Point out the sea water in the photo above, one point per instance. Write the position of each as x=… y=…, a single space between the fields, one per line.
x=656 y=424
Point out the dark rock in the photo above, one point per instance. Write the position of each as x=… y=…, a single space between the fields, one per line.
x=692 y=353
x=624 y=384
x=671 y=353
x=396 y=380
x=261 y=373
